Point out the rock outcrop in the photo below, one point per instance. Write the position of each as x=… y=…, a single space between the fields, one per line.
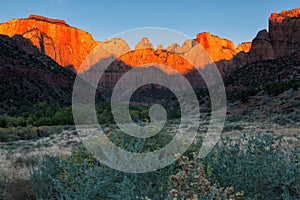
x=284 y=30
x=173 y=47
x=45 y=19
x=160 y=47
x=282 y=39
x=105 y=53
x=219 y=48
x=148 y=61
x=144 y=43
x=68 y=46
x=186 y=46
x=116 y=46
x=262 y=48
x=245 y=46
x=158 y=58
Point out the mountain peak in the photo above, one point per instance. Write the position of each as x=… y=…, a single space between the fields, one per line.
x=186 y=46
x=160 y=47
x=144 y=43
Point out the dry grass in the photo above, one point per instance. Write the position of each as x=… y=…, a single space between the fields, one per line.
x=18 y=158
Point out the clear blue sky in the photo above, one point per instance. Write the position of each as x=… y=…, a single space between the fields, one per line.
x=237 y=20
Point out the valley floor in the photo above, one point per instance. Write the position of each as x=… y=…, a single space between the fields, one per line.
x=17 y=157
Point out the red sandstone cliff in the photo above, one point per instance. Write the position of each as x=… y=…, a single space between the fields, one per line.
x=284 y=31
x=219 y=48
x=282 y=38
x=68 y=46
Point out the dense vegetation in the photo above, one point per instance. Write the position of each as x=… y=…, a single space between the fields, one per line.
x=279 y=87
x=253 y=167
x=271 y=76
x=43 y=115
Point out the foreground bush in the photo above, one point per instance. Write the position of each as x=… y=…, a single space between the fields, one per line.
x=191 y=183
x=80 y=176
x=253 y=167
x=260 y=165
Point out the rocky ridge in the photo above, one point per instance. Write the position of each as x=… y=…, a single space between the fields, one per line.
x=69 y=46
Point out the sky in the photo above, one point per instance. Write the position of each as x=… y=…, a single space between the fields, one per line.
x=236 y=20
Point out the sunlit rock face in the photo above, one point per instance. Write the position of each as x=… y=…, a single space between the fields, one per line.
x=68 y=46
x=144 y=43
x=219 y=48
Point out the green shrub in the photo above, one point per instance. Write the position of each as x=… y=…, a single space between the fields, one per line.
x=234 y=118
x=257 y=165
x=281 y=120
x=27 y=133
x=3 y=122
x=18 y=121
x=228 y=128
x=190 y=182
x=44 y=121
x=276 y=88
x=243 y=95
x=41 y=178
x=63 y=117
x=80 y=176
x=295 y=84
